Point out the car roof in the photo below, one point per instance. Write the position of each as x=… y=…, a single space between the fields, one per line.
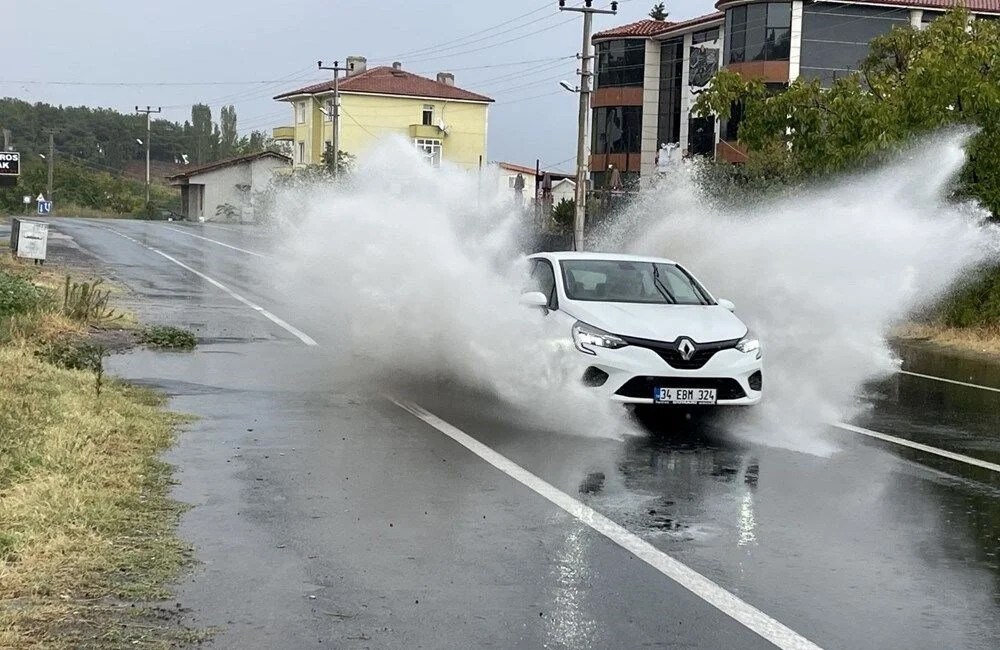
x=557 y=256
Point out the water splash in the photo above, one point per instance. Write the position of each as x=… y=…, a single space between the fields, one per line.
x=821 y=275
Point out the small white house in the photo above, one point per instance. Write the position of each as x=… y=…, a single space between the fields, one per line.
x=508 y=181
x=563 y=189
x=223 y=190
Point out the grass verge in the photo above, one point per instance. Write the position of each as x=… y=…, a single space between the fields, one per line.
x=86 y=525
x=983 y=342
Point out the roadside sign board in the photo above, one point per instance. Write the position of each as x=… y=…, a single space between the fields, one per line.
x=10 y=163
x=44 y=207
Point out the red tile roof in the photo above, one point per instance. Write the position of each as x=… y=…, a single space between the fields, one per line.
x=521 y=169
x=656 y=28
x=975 y=6
x=642 y=29
x=229 y=162
x=384 y=80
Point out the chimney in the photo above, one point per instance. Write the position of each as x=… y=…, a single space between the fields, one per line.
x=396 y=65
x=356 y=65
x=446 y=78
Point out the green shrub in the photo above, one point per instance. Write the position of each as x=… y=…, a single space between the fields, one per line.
x=74 y=355
x=165 y=336
x=974 y=304
x=18 y=296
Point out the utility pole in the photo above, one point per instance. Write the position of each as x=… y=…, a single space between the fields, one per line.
x=335 y=111
x=6 y=140
x=51 y=160
x=149 y=132
x=588 y=11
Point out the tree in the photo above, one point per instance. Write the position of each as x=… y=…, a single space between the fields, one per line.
x=563 y=216
x=227 y=131
x=659 y=12
x=345 y=161
x=912 y=82
x=203 y=142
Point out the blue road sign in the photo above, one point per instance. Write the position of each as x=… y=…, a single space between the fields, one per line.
x=44 y=207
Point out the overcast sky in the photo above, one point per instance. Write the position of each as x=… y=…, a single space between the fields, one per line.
x=189 y=44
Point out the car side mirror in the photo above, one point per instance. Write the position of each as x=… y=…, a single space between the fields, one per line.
x=534 y=299
x=728 y=304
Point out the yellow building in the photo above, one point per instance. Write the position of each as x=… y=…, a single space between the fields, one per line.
x=445 y=122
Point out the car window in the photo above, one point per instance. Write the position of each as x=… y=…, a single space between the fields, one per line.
x=630 y=281
x=543 y=279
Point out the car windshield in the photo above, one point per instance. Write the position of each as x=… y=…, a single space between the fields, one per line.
x=631 y=281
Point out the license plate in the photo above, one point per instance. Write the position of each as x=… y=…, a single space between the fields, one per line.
x=684 y=395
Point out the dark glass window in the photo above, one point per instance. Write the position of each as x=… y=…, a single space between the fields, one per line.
x=701 y=136
x=705 y=36
x=620 y=63
x=759 y=32
x=731 y=127
x=543 y=279
x=671 y=76
x=617 y=129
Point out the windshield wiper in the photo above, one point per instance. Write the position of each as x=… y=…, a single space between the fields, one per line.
x=664 y=291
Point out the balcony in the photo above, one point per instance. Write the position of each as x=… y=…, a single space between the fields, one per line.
x=426 y=131
x=283 y=133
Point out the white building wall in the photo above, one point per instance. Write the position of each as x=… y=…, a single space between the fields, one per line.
x=795 y=47
x=234 y=185
x=564 y=189
x=650 y=108
x=686 y=99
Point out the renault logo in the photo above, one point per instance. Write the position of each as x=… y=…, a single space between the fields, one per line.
x=686 y=348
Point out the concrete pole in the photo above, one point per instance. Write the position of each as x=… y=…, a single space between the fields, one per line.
x=51 y=161
x=335 y=111
x=579 y=222
x=149 y=135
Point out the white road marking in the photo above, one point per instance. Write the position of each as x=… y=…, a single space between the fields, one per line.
x=739 y=610
x=214 y=241
x=949 y=381
x=962 y=458
x=302 y=336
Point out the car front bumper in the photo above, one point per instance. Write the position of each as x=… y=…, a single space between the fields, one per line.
x=633 y=373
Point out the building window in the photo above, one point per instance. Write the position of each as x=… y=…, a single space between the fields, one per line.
x=620 y=63
x=671 y=76
x=431 y=150
x=300 y=112
x=301 y=151
x=701 y=136
x=427 y=117
x=705 y=36
x=617 y=129
x=759 y=32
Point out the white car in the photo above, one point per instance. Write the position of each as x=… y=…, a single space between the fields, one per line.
x=646 y=331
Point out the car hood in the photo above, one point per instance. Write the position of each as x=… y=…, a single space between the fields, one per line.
x=702 y=323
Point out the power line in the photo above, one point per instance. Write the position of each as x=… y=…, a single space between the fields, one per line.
x=543 y=7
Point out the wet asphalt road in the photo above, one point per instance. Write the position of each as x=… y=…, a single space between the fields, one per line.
x=327 y=516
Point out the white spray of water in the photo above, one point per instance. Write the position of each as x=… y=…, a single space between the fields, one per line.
x=421 y=273
x=821 y=276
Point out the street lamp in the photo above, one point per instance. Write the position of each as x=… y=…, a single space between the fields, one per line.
x=568 y=86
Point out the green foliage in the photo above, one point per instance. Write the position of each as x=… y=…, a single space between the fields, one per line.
x=74 y=355
x=345 y=161
x=912 y=82
x=165 y=336
x=86 y=301
x=563 y=216
x=974 y=304
x=18 y=296
x=659 y=11
x=227 y=211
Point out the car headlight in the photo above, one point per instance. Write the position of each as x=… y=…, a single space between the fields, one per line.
x=749 y=344
x=586 y=338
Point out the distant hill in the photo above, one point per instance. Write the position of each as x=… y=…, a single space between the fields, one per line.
x=107 y=139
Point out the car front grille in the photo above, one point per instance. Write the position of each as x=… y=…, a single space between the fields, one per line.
x=671 y=353
x=643 y=387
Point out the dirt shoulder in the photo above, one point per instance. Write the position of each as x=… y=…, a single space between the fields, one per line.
x=87 y=529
